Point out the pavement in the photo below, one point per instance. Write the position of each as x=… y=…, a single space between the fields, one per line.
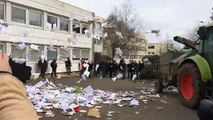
x=153 y=110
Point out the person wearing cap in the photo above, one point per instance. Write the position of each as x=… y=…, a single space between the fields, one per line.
x=14 y=104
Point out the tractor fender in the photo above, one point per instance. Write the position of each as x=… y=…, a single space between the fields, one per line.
x=202 y=65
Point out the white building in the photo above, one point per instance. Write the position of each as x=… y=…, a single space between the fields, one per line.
x=51 y=25
x=157 y=48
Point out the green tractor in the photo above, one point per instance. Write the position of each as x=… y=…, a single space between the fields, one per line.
x=191 y=71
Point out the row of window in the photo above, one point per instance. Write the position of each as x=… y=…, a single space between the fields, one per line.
x=33 y=55
x=151 y=47
x=34 y=17
x=151 y=53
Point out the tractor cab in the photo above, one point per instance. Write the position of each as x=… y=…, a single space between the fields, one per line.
x=206 y=44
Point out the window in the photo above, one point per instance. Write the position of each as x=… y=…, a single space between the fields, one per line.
x=97 y=29
x=85 y=54
x=15 y=53
x=51 y=54
x=85 y=26
x=76 y=26
x=2 y=48
x=76 y=54
x=143 y=49
x=64 y=25
x=53 y=22
x=34 y=54
x=35 y=18
x=97 y=41
x=2 y=11
x=151 y=47
x=63 y=53
x=18 y=15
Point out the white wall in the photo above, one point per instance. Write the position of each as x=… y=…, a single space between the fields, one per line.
x=42 y=36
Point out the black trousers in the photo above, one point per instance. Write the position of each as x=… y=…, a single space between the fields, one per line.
x=129 y=73
x=53 y=74
x=110 y=73
x=68 y=69
x=42 y=73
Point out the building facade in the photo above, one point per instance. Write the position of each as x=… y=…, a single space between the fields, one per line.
x=139 y=47
x=157 y=48
x=55 y=29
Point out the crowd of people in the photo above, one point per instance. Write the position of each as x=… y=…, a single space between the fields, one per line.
x=112 y=69
x=103 y=69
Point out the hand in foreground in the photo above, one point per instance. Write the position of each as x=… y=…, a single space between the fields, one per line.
x=4 y=63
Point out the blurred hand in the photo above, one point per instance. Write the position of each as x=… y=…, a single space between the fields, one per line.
x=4 y=63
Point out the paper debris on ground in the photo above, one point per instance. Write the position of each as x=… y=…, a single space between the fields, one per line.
x=46 y=95
x=94 y=112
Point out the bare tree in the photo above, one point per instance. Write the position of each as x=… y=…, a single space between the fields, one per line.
x=122 y=20
x=192 y=34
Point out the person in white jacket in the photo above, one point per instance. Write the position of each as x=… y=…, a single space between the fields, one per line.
x=86 y=73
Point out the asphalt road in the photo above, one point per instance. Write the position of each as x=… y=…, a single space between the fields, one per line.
x=149 y=111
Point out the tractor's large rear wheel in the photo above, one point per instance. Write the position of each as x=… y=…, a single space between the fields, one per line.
x=188 y=85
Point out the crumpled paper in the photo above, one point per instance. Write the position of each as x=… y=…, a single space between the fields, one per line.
x=94 y=112
x=46 y=95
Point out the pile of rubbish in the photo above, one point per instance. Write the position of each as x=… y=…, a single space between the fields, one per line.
x=46 y=96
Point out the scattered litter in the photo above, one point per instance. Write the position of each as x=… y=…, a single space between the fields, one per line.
x=145 y=101
x=154 y=96
x=46 y=95
x=49 y=114
x=137 y=113
x=99 y=107
x=109 y=118
x=109 y=114
x=159 y=108
x=94 y=112
x=83 y=111
x=134 y=102
x=165 y=102
x=68 y=113
x=121 y=105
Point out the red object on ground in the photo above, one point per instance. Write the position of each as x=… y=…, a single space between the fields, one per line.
x=76 y=109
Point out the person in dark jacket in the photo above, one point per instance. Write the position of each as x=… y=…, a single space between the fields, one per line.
x=103 y=69
x=42 y=63
x=68 y=66
x=134 y=70
x=54 y=68
x=114 y=69
x=129 y=67
x=140 y=67
x=96 y=69
x=81 y=68
x=122 y=69
x=110 y=64
x=20 y=70
x=90 y=69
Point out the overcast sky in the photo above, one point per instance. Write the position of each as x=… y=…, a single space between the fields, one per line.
x=172 y=17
